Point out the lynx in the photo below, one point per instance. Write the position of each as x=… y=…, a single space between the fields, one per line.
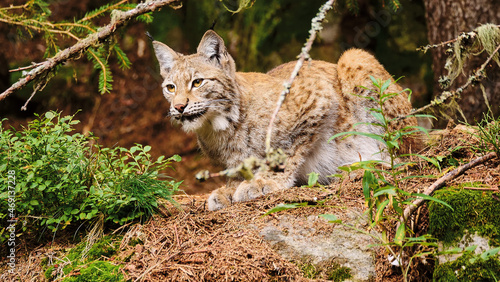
x=230 y=111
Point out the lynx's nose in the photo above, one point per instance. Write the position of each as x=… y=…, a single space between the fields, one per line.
x=180 y=107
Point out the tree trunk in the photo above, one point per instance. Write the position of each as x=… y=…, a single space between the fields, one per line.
x=446 y=19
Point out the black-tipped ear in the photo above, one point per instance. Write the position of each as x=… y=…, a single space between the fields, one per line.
x=213 y=25
x=165 y=55
x=212 y=46
x=150 y=36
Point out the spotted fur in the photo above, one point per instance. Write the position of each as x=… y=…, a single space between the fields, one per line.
x=229 y=111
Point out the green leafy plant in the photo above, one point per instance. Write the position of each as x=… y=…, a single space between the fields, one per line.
x=61 y=179
x=382 y=188
x=353 y=5
x=312 y=180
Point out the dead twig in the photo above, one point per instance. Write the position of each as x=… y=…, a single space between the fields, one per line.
x=481 y=188
x=441 y=181
x=33 y=65
x=177 y=236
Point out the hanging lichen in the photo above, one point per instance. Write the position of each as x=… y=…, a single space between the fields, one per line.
x=484 y=38
x=489 y=35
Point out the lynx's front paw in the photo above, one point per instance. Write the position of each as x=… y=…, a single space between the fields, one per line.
x=249 y=190
x=220 y=198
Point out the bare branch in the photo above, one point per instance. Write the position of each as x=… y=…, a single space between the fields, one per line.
x=118 y=19
x=304 y=54
x=33 y=65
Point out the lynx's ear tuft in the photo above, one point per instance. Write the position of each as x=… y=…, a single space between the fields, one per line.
x=150 y=36
x=165 y=55
x=212 y=46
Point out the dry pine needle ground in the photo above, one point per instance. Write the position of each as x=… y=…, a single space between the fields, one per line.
x=190 y=243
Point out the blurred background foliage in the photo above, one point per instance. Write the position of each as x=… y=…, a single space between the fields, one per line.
x=260 y=37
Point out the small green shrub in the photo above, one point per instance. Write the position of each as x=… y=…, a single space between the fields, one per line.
x=60 y=179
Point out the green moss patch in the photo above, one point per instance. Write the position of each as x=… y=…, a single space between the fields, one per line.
x=339 y=273
x=468 y=268
x=325 y=270
x=98 y=271
x=475 y=211
x=89 y=266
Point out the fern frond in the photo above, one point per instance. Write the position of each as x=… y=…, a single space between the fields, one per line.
x=395 y=5
x=51 y=49
x=41 y=8
x=123 y=60
x=100 y=63
x=96 y=13
x=145 y=18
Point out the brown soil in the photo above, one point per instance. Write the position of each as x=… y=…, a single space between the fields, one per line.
x=189 y=243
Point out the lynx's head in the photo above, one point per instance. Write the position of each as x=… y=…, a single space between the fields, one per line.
x=201 y=87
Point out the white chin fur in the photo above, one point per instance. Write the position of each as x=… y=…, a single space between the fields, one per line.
x=218 y=123
x=190 y=126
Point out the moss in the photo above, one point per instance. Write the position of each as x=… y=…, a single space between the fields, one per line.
x=475 y=211
x=106 y=247
x=48 y=273
x=340 y=273
x=468 y=268
x=325 y=270
x=98 y=271
x=309 y=271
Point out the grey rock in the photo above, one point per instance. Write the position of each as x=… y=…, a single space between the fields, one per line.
x=302 y=239
x=467 y=240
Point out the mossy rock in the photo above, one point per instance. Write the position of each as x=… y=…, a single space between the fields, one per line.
x=468 y=267
x=474 y=211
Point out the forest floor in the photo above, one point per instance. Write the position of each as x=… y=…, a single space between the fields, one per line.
x=189 y=243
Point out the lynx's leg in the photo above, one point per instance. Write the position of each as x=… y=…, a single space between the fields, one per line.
x=267 y=182
x=262 y=184
x=220 y=198
x=242 y=191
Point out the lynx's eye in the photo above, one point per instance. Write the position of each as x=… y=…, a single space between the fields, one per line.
x=197 y=82
x=170 y=88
